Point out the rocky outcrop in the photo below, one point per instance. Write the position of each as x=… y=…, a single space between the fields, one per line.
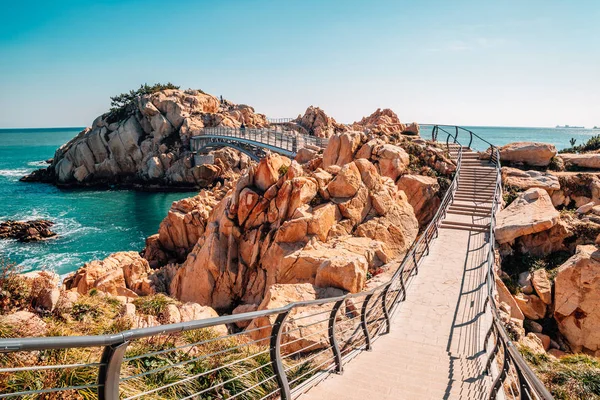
x=586 y=160
x=528 y=153
x=576 y=299
x=530 y=213
x=524 y=180
x=384 y=122
x=286 y=223
x=26 y=231
x=149 y=143
x=317 y=123
x=124 y=274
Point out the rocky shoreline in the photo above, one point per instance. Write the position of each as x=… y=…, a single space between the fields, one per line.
x=27 y=231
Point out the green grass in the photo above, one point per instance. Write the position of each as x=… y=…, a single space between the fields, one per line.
x=152 y=305
x=571 y=377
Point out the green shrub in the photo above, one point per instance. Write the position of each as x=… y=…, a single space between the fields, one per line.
x=152 y=305
x=123 y=104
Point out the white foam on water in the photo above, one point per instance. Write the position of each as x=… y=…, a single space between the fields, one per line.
x=42 y=163
x=16 y=173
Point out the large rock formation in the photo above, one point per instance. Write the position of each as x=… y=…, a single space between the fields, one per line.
x=422 y=192
x=286 y=223
x=576 y=299
x=148 y=142
x=529 y=153
x=530 y=213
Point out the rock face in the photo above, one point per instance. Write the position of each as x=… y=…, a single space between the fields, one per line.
x=530 y=213
x=303 y=329
x=299 y=224
x=589 y=160
x=184 y=224
x=530 y=179
x=529 y=153
x=120 y=274
x=26 y=231
x=422 y=192
x=150 y=144
x=576 y=299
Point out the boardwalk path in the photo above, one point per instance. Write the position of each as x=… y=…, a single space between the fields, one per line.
x=435 y=348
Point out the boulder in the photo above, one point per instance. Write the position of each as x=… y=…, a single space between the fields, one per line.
x=392 y=160
x=533 y=343
x=506 y=297
x=26 y=231
x=546 y=242
x=268 y=171
x=242 y=309
x=587 y=160
x=545 y=339
x=529 y=153
x=48 y=299
x=24 y=324
x=422 y=193
x=531 y=306
x=304 y=327
x=576 y=299
x=530 y=213
x=529 y=179
x=346 y=183
x=542 y=285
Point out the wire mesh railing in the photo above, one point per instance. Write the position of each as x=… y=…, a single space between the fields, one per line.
x=287 y=143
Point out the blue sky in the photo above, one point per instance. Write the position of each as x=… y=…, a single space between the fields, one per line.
x=512 y=63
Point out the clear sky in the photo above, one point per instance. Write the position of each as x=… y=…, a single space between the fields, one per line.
x=510 y=63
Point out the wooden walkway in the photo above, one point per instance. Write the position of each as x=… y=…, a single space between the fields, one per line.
x=435 y=349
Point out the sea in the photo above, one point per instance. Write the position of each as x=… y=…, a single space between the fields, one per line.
x=91 y=224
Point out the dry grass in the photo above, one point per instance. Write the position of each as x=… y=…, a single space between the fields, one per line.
x=571 y=377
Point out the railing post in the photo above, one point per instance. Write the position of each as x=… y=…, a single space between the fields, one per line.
x=456 y=134
x=110 y=371
x=339 y=368
x=276 y=361
x=470 y=139
x=363 y=322
x=386 y=313
x=415 y=262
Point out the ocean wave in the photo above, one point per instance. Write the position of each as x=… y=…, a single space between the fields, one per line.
x=41 y=163
x=14 y=173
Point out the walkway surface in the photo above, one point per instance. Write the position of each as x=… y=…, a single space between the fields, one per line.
x=435 y=349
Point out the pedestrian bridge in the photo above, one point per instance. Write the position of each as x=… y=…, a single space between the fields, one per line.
x=255 y=142
x=432 y=331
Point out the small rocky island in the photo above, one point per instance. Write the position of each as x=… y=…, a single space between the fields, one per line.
x=26 y=231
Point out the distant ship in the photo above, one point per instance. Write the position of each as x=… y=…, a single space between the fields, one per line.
x=572 y=127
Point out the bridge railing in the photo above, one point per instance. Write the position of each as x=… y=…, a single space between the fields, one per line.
x=514 y=378
x=280 y=120
x=267 y=354
x=290 y=142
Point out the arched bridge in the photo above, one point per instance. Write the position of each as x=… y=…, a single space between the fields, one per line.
x=432 y=331
x=254 y=142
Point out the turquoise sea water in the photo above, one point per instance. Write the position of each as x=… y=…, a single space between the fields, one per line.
x=92 y=224
x=502 y=135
